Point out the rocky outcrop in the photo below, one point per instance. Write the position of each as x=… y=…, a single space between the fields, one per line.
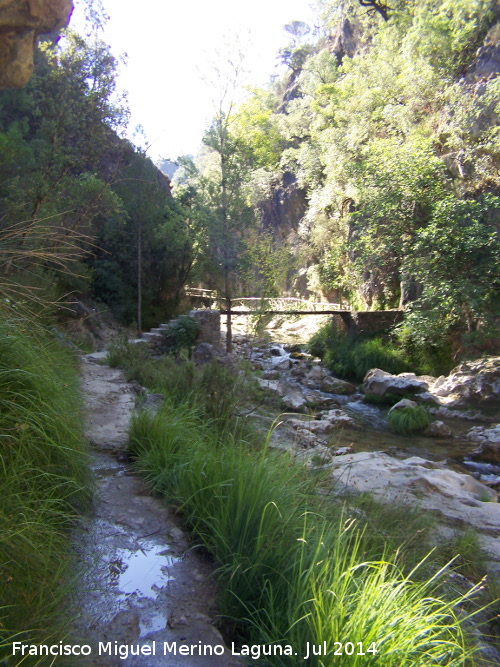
x=472 y=383
x=283 y=210
x=345 y=40
x=21 y=21
x=486 y=64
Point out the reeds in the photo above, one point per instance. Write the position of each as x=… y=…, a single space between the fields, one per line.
x=295 y=569
x=44 y=476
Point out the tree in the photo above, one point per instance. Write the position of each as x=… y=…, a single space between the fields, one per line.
x=225 y=173
x=456 y=259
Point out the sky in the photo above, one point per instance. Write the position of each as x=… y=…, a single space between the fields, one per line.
x=169 y=43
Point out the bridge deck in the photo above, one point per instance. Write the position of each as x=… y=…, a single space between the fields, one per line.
x=286 y=312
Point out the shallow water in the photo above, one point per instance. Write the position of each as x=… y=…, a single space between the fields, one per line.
x=374 y=434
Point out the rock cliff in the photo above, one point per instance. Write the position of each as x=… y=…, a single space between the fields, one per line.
x=21 y=22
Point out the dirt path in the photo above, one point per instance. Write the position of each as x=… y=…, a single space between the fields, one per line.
x=142 y=589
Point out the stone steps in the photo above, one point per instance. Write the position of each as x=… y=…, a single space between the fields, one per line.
x=150 y=336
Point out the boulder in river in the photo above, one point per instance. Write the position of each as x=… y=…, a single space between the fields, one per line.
x=438 y=429
x=295 y=401
x=380 y=383
x=337 y=418
x=314 y=399
x=403 y=403
x=489 y=438
x=333 y=385
x=316 y=375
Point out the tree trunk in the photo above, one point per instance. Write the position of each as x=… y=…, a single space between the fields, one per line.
x=139 y=282
x=229 y=335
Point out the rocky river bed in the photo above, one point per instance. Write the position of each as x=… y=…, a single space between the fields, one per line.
x=451 y=470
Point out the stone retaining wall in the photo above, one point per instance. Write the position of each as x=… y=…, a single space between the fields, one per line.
x=209 y=321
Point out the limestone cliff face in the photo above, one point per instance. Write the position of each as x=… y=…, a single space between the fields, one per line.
x=282 y=211
x=21 y=22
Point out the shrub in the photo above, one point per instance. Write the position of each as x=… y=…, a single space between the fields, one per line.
x=376 y=353
x=181 y=335
x=353 y=358
x=408 y=420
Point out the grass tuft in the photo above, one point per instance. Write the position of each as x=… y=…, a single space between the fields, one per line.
x=408 y=420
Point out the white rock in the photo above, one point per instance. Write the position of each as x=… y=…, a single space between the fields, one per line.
x=316 y=374
x=380 y=383
x=471 y=383
x=459 y=497
x=295 y=401
x=276 y=387
x=403 y=403
x=338 y=418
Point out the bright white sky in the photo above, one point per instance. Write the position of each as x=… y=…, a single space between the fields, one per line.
x=168 y=43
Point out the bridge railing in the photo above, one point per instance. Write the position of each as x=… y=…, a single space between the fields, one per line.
x=271 y=304
x=302 y=304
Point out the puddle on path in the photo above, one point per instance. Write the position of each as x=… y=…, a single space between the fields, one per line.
x=144 y=572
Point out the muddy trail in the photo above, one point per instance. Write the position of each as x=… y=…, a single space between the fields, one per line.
x=145 y=596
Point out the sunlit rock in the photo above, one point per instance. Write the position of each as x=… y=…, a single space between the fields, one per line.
x=21 y=22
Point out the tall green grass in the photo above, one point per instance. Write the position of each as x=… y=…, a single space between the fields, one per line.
x=296 y=563
x=294 y=568
x=44 y=477
x=353 y=358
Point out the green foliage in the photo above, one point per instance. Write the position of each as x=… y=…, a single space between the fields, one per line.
x=394 y=154
x=408 y=420
x=354 y=357
x=457 y=259
x=73 y=192
x=217 y=392
x=255 y=126
x=422 y=340
x=168 y=237
x=266 y=266
x=44 y=478
x=181 y=335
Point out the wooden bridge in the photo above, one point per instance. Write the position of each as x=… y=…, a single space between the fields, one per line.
x=211 y=297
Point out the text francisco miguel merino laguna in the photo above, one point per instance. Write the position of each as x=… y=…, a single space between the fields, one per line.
x=123 y=651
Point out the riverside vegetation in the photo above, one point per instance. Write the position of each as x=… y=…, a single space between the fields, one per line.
x=297 y=563
x=44 y=480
